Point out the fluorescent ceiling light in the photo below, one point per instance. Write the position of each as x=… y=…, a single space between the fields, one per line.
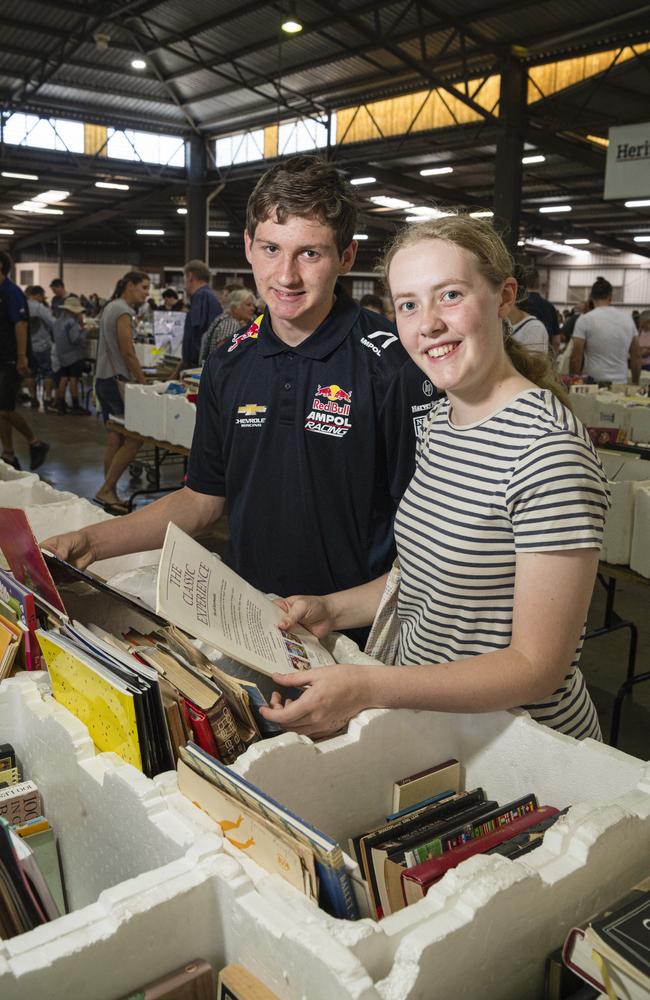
x=112 y=184
x=138 y=64
x=429 y=212
x=642 y=239
x=576 y=242
x=38 y=207
x=557 y=247
x=537 y=158
x=363 y=180
x=386 y=202
x=224 y=233
x=6 y=232
x=547 y=209
x=20 y=177
x=430 y=171
x=51 y=197
x=481 y=215
x=150 y=232
x=360 y=236
x=642 y=203
x=597 y=139
x=181 y=211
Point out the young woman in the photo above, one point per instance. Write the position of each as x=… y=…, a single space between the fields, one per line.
x=117 y=363
x=498 y=533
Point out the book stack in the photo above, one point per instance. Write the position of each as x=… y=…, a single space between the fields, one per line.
x=436 y=825
x=612 y=951
x=31 y=884
x=271 y=835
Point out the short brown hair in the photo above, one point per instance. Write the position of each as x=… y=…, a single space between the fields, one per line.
x=494 y=262
x=308 y=187
x=198 y=269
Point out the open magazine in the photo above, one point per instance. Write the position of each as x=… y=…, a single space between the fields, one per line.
x=200 y=594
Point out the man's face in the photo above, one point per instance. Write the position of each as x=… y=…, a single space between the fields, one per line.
x=295 y=266
x=58 y=290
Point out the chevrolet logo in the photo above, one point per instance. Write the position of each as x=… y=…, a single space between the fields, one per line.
x=250 y=409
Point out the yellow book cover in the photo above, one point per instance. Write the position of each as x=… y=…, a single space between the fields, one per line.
x=106 y=709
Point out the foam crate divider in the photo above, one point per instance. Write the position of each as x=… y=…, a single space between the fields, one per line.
x=180 y=418
x=640 y=548
x=144 y=409
x=487 y=927
x=148 y=879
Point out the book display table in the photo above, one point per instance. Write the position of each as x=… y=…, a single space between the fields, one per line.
x=152 y=882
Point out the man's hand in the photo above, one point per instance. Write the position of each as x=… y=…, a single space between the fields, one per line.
x=313 y=613
x=22 y=366
x=74 y=547
x=331 y=697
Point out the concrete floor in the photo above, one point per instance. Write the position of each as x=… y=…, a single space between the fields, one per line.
x=75 y=463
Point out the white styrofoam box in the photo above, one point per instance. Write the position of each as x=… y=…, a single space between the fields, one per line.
x=613 y=461
x=488 y=910
x=640 y=424
x=149 y=881
x=640 y=550
x=144 y=409
x=635 y=470
x=180 y=418
x=585 y=407
x=24 y=489
x=617 y=537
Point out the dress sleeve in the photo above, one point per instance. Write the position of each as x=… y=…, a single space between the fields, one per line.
x=557 y=496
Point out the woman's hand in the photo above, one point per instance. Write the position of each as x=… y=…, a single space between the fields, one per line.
x=313 y=613
x=331 y=696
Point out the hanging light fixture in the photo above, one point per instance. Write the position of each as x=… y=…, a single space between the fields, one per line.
x=291 y=23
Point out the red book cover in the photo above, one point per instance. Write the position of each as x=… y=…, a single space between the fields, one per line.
x=429 y=872
x=26 y=562
x=199 y=725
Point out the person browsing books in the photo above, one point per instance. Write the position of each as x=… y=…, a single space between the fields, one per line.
x=503 y=517
x=306 y=417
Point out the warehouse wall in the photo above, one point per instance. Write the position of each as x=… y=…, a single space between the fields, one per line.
x=80 y=278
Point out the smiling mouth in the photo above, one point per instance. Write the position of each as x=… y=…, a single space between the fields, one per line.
x=282 y=294
x=442 y=350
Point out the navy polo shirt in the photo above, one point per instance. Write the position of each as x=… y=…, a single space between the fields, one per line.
x=13 y=309
x=204 y=307
x=313 y=447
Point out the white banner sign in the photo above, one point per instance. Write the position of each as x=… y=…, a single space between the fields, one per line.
x=627 y=172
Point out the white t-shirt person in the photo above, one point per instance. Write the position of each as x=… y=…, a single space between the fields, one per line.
x=608 y=333
x=531 y=333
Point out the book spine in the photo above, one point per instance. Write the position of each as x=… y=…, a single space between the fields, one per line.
x=222 y=722
x=337 y=896
x=430 y=871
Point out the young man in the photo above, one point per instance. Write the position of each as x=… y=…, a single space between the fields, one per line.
x=14 y=319
x=306 y=418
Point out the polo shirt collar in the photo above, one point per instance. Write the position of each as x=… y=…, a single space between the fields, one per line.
x=324 y=340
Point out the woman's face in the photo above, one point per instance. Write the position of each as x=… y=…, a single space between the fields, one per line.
x=245 y=311
x=448 y=316
x=137 y=295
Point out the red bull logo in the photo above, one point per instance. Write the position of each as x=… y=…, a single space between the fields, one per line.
x=251 y=333
x=334 y=393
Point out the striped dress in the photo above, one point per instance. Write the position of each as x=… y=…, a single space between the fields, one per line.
x=525 y=479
